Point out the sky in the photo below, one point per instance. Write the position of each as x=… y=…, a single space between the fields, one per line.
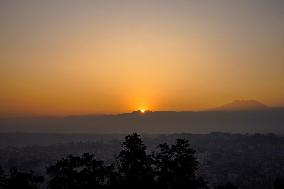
x=112 y=56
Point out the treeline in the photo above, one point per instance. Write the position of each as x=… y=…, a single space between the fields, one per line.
x=169 y=166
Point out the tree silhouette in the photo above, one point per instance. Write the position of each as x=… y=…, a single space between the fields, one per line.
x=170 y=167
x=278 y=183
x=17 y=179
x=133 y=163
x=78 y=173
x=176 y=166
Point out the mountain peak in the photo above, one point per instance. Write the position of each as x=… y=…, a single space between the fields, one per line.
x=239 y=105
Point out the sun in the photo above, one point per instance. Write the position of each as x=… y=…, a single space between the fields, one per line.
x=142 y=111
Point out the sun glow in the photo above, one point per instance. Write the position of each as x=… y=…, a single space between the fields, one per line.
x=142 y=111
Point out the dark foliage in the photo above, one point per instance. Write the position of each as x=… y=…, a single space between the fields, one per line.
x=18 y=179
x=134 y=164
x=176 y=166
x=279 y=183
x=169 y=167
x=82 y=172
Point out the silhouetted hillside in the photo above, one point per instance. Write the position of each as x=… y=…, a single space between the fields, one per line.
x=261 y=121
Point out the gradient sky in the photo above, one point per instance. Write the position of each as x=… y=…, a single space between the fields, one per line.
x=109 y=56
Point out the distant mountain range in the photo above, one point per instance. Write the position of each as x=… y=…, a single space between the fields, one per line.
x=242 y=105
x=241 y=116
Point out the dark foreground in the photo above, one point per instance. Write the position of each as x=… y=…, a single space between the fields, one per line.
x=221 y=160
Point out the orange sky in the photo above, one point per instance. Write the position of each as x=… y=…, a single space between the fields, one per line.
x=84 y=57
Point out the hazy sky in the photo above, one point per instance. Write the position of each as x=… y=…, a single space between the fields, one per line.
x=108 y=56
